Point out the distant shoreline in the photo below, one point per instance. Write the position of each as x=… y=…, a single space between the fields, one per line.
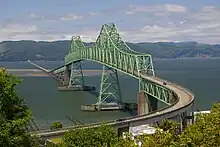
x=39 y=73
x=185 y=58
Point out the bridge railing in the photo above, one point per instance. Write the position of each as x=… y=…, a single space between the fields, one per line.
x=112 y=51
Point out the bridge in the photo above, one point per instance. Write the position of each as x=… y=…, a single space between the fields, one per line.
x=111 y=51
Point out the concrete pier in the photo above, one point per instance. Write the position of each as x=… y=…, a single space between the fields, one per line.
x=146 y=103
x=109 y=107
x=76 y=88
x=142 y=104
x=66 y=77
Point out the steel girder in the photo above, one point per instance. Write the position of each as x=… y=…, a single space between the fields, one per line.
x=111 y=50
x=110 y=88
x=76 y=75
x=157 y=91
x=59 y=69
x=59 y=76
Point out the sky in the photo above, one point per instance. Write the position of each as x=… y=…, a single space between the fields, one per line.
x=136 y=20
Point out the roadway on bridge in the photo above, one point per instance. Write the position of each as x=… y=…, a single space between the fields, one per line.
x=110 y=50
x=184 y=102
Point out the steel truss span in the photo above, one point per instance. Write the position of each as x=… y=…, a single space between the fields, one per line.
x=111 y=51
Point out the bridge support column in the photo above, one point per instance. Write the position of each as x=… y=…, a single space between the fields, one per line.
x=61 y=76
x=146 y=103
x=110 y=91
x=76 y=75
x=73 y=79
x=66 y=77
x=181 y=119
x=184 y=120
x=123 y=130
x=143 y=107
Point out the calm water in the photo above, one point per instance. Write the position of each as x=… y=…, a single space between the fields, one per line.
x=202 y=76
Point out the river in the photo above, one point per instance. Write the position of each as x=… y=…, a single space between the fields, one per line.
x=202 y=76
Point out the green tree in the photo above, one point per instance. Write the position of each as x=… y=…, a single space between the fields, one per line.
x=56 y=125
x=14 y=115
x=205 y=132
x=97 y=137
x=103 y=136
x=165 y=135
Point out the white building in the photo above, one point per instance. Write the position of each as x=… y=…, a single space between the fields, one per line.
x=140 y=130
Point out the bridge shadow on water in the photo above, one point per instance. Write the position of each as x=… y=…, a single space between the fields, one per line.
x=95 y=93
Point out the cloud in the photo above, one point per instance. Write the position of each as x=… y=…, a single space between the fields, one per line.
x=208 y=13
x=174 y=8
x=205 y=33
x=156 y=8
x=202 y=25
x=71 y=16
x=10 y=31
x=158 y=23
x=34 y=16
x=17 y=28
x=93 y=13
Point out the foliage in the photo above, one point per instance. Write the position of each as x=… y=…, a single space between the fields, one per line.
x=42 y=50
x=203 y=133
x=56 y=125
x=15 y=115
x=103 y=136
x=170 y=126
x=165 y=135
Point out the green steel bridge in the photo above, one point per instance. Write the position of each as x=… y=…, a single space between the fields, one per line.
x=113 y=53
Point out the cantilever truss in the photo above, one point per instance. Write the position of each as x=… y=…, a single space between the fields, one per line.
x=110 y=88
x=110 y=50
x=76 y=75
x=60 y=74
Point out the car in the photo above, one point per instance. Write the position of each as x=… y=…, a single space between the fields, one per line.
x=164 y=83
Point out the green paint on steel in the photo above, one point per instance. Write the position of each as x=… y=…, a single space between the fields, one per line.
x=110 y=88
x=76 y=75
x=59 y=70
x=110 y=50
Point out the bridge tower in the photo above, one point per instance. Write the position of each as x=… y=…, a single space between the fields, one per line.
x=71 y=75
x=110 y=50
x=76 y=75
x=110 y=92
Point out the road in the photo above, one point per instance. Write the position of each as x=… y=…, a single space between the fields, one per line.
x=184 y=102
x=40 y=73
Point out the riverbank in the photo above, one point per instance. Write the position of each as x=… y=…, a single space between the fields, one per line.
x=39 y=73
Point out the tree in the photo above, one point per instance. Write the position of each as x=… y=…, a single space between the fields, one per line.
x=204 y=132
x=97 y=137
x=165 y=135
x=56 y=125
x=103 y=136
x=14 y=115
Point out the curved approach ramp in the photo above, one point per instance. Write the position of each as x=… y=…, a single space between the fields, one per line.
x=111 y=50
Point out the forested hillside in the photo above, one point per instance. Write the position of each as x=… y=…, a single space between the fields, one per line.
x=32 y=50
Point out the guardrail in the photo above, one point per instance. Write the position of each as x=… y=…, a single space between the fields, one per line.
x=157 y=113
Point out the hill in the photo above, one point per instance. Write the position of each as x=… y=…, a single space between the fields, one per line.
x=51 y=51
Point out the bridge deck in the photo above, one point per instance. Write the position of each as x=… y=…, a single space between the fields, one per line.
x=110 y=50
x=185 y=100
